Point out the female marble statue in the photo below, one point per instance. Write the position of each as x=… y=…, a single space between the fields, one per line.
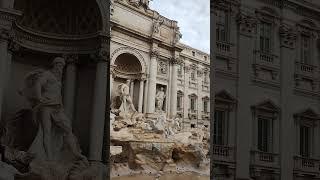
x=160 y=96
x=126 y=106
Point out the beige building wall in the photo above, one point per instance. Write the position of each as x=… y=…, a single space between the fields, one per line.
x=273 y=81
x=145 y=50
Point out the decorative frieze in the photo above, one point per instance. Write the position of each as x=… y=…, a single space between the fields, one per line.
x=247 y=24
x=162 y=67
x=154 y=53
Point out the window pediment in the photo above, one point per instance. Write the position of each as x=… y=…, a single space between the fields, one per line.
x=308 y=114
x=267 y=108
x=224 y=97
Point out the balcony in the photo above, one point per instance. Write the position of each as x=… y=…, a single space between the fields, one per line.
x=224 y=48
x=305 y=70
x=265 y=159
x=205 y=115
x=192 y=114
x=307 y=165
x=266 y=60
x=223 y=153
x=205 y=86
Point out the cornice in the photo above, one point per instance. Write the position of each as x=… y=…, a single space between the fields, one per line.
x=56 y=44
x=142 y=36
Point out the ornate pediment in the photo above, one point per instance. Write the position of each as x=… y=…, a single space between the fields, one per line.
x=267 y=106
x=225 y=97
x=308 y=114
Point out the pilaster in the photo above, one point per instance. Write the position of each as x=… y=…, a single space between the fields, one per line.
x=287 y=54
x=247 y=31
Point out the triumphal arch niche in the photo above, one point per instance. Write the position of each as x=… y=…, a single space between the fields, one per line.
x=53 y=87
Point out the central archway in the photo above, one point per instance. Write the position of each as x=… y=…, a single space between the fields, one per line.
x=128 y=70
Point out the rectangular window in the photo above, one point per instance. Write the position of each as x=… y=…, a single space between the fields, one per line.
x=179 y=69
x=305 y=50
x=206 y=77
x=264 y=134
x=205 y=106
x=304 y=141
x=265 y=37
x=218 y=127
x=221 y=25
x=193 y=75
x=193 y=104
x=179 y=102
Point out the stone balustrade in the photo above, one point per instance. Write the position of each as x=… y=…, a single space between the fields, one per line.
x=307 y=165
x=305 y=69
x=223 y=153
x=265 y=159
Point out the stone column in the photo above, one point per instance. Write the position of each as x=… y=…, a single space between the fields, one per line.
x=141 y=95
x=287 y=126
x=145 y=97
x=174 y=87
x=4 y=62
x=70 y=85
x=246 y=35
x=111 y=79
x=7 y=4
x=131 y=88
x=152 y=82
x=98 y=109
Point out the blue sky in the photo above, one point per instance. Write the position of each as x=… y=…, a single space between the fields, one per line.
x=193 y=18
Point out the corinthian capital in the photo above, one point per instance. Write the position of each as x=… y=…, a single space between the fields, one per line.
x=247 y=24
x=288 y=36
x=176 y=60
x=154 y=53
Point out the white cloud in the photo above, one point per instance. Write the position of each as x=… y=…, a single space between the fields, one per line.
x=193 y=18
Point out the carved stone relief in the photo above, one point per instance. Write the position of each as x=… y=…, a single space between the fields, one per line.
x=162 y=67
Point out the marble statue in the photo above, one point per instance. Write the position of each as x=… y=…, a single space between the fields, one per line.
x=126 y=101
x=178 y=35
x=42 y=88
x=160 y=96
x=157 y=24
x=39 y=141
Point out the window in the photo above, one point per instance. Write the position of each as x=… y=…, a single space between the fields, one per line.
x=221 y=25
x=304 y=141
x=205 y=58
x=193 y=53
x=179 y=69
x=264 y=134
x=265 y=37
x=193 y=126
x=206 y=77
x=179 y=101
x=193 y=75
x=205 y=105
x=193 y=103
x=218 y=127
x=305 y=49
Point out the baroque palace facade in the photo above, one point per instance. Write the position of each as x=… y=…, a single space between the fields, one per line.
x=146 y=54
x=266 y=61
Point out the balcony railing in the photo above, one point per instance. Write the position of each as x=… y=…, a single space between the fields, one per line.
x=223 y=47
x=307 y=165
x=223 y=153
x=192 y=113
x=265 y=159
x=305 y=69
x=205 y=114
x=266 y=59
